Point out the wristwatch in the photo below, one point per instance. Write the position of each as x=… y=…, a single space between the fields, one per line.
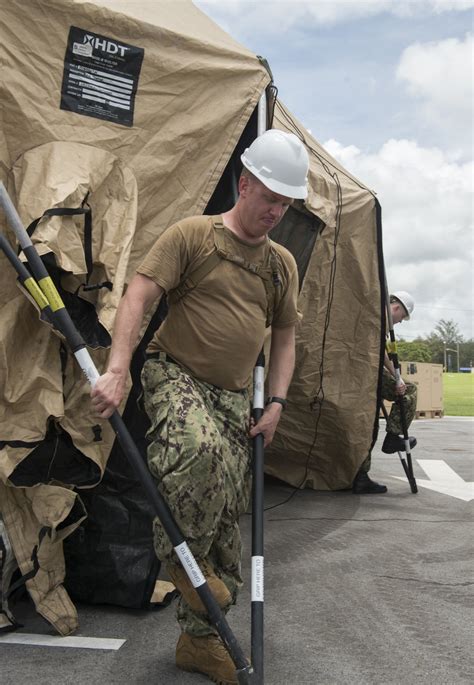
x=278 y=400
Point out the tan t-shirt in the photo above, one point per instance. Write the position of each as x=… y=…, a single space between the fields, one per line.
x=217 y=329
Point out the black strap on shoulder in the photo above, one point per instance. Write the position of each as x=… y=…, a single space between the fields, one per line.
x=269 y=274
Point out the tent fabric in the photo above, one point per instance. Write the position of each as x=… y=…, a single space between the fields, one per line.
x=37 y=521
x=71 y=172
x=327 y=430
x=121 y=102
x=140 y=178
x=64 y=173
x=183 y=132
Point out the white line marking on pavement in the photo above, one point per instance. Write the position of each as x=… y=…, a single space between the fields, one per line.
x=447 y=419
x=57 y=641
x=444 y=480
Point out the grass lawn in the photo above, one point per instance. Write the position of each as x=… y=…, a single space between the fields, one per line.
x=458 y=392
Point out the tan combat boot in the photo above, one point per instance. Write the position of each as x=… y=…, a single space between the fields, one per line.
x=218 y=588
x=206 y=655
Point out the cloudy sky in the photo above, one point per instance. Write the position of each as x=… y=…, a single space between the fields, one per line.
x=386 y=86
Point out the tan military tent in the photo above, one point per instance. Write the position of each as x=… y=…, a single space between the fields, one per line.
x=135 y=113
x=144 y=152
x=129 y=111
x=327 y=430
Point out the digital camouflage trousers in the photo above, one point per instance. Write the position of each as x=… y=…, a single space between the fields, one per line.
x=199 y=455
x=394 y=422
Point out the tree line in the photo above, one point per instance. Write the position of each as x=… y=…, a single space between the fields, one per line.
x=444 y=345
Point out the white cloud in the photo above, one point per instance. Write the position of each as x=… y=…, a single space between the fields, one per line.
x=271 y=15
x=386 y=88
x=440 y=74
x=426 y=200
x=448 y=5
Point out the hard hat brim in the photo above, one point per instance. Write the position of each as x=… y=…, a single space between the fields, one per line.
x=292 y=192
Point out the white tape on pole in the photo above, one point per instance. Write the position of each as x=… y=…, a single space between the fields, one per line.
x=87 y=365
x=190 y=565
x=257 y=579
x=258 y=387
x=262 y=114
x=13 y=218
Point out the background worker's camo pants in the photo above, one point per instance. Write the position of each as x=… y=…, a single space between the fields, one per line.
x=394 y=422
x=199 y=454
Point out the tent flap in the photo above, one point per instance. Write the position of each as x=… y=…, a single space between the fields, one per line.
x=326 y=432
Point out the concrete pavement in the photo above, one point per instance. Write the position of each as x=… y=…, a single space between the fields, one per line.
x=359 y=590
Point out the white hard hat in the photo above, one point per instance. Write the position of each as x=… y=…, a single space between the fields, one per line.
x=406 y=300
x=280 y=161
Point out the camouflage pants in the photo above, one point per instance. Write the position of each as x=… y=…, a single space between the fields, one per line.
x=199 y=455
x=394 y=422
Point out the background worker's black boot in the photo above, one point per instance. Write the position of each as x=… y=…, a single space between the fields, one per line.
x=362 y=485
x=395 y=443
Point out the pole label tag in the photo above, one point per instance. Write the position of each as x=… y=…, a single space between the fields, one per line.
x=190 y=564
x=257 y=579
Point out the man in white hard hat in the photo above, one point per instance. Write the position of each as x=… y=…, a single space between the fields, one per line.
x=226 y=282
x=401 y=305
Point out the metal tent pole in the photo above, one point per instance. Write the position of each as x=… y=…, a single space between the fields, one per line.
x=257 y=523
x=257 y=588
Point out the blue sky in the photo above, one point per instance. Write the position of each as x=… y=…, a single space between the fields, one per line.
x=387 y=87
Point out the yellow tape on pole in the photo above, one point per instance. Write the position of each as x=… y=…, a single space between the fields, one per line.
x=392 y=347
x=37 y=294
x=52 y=295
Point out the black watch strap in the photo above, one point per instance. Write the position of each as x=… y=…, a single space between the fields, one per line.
x=278 y=400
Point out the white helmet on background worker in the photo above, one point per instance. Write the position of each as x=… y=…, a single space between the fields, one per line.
x=406 y=300
x=280 y=161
